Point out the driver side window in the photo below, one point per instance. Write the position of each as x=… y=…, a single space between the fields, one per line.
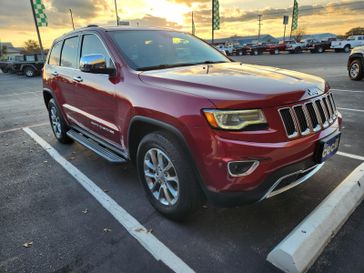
x=91 y=45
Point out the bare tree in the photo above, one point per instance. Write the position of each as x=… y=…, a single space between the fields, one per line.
x=31 y=46
x=299 y=33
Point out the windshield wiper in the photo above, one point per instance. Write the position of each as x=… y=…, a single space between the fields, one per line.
x=165 y=66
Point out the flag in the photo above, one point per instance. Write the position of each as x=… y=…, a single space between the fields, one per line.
x=295 y=16
x=39 y=13
x=215 y=15
x=193 y=25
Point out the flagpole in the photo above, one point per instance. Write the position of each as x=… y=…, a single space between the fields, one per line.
x=192 y=23
x=212 y=22
x=37 y=28
x=290 y=35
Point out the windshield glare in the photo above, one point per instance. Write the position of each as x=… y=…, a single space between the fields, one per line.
x=154 y=49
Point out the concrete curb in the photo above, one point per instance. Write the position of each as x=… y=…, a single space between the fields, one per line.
x=299 y=250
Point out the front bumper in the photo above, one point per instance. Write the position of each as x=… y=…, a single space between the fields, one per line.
x=278 y=182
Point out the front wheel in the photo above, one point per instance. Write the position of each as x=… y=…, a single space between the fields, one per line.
x=356 y=72
x=347 y=49
x=167 y=176
x=59 y=126
x=4 y=70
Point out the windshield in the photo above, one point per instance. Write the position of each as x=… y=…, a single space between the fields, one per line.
x=351 y=38
x=158 y=49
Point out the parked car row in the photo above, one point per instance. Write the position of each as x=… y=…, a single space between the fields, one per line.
x=293 y=47
x=29 y=64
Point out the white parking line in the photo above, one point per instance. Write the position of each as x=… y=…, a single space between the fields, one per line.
x=358 y=157
x=21 y=128
x=155 y=247
x=345 y=90
x=299 y=250
x=351 y=109
x=20 y=94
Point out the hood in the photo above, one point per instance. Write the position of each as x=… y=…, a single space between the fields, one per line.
x=235 y=85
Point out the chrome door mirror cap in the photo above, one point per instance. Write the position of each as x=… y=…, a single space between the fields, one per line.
x=95 y=63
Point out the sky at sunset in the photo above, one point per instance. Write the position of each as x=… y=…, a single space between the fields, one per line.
x=238 y=17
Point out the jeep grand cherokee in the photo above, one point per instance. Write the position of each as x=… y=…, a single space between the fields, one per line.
x=196 y=124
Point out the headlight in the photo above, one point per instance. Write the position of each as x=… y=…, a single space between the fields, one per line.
x=234 y=119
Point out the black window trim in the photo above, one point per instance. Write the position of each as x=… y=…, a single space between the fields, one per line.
x=60 y=51
x=102 y=42
x=78 y=51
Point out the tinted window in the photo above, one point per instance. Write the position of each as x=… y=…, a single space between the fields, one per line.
x=69 y=53
x=55 y=54
x=91 y=45
x=145 y=49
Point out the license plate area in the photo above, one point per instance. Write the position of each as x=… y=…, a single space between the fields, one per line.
x=327 y=147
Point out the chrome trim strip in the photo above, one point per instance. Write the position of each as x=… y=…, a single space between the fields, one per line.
x=249 y=171
x=312 y=170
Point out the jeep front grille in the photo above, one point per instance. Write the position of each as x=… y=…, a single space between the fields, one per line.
x=312 y=116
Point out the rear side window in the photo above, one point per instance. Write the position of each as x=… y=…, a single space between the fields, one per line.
x=69 y=53
x=92 y=45
x=55 y=54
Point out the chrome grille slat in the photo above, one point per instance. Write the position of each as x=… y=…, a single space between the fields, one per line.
x=309 y=117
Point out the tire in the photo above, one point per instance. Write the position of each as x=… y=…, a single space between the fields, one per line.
x=4 y=70
x=297 y=50
x=356 y=72
x=320 y=50
x=178 y=198
x=255 y=52
x=58 y=124
x=29 y=71
x=347 y=49
x=240 y=53
x=276 y=51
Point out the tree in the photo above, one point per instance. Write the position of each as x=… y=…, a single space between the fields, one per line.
x=31 y=46
x=299 y=33
x=355 y=31
x=4 y=50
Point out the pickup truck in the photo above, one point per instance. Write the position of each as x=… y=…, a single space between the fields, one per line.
x=228 y=49
x=320 y=46
x=30 y=64
x=293 y=46
x=276 y=48
x=349 y=43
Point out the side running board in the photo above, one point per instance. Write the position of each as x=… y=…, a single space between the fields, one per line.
x=96 y=147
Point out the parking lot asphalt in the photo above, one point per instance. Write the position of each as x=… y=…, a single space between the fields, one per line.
x=71 y=232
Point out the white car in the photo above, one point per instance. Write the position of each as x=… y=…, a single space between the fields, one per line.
x=349 y=43
x=294 y=47
x=227 y=49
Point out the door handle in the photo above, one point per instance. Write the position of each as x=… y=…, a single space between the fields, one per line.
x=77 y=79
x=55 y=73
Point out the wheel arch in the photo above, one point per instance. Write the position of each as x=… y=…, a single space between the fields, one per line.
x=140 y=126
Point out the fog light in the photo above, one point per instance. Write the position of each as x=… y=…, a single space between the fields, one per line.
x=242 y=168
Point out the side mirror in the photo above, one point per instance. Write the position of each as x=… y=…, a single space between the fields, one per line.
x=96 y=64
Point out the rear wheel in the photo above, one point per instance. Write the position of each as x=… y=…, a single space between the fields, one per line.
x=59 y=126
x=356 y=72
x=276 y=51
x=4 y=70
x=29 y=71
x=167 y=176
x=347 y=49
x=320 y=50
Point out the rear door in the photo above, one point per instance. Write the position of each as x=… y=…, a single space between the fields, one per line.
x=66 y=73
x=95 y=94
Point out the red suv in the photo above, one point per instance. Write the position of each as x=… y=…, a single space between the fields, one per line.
x=196 y=124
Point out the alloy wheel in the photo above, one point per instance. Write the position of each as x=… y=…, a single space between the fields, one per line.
x=56 y=122
x=161 y=177
x=354 y=70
